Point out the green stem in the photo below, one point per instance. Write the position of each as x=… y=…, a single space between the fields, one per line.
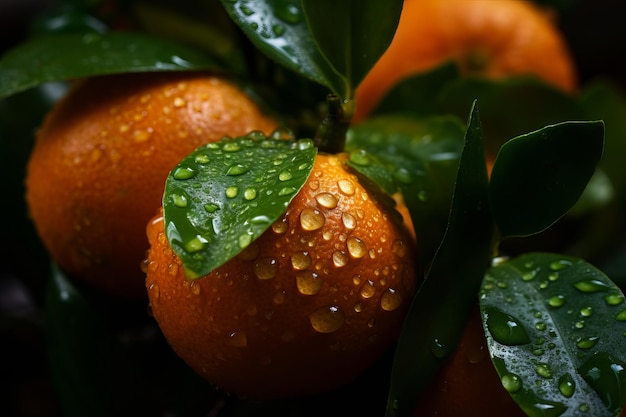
x=331 y=134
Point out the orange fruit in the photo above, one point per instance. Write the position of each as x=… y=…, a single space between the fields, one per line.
x=307 y=307
x=494 y=39
x=97 y=170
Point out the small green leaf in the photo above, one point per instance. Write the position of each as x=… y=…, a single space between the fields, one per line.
x=65 y=56
x=539 y=176
x=572 y=360
x=440 y=309
x=422 y=156
x=279 y=29
x=352 y=35
x=224 y=195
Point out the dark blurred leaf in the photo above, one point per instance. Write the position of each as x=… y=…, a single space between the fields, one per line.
x=537 y=177
x=509 y=107
x=66 y=56
x=417 y=95
x=75 y=348
x=352 y=35
x=555 y=329
x=216 y=199
x=440 y=309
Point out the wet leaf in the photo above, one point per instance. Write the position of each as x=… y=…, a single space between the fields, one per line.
x=539 y=176
x=224 y=195
x=352 y=35
x=422 y=157
x=572 y=361
x=442 y=304
x=279 y=29
x=63 y=57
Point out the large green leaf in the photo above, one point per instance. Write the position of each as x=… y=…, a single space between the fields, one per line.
x=556 y=331
x=422 y=156
x=279 y=29
x=440 y=309
x=65 y=56
x=225 y=194
x=352 y=34
x=539 y=176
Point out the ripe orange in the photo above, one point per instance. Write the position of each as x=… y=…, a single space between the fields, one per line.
x=487 y=38
x=307 y=307
x=97 y=171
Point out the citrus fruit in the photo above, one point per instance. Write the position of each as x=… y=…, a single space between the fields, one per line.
x=98 y=167
x=307 y=307
x=494 y=39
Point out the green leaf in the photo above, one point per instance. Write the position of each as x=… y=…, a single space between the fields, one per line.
x=224 y=195
x=279 y=29
x=539 y=176
x=352 y=35
x=440 y=309
x=66 y=56
x=422 y=156
x=417 y=95
x=509 y=107
x=555 y=328
x=75 y=348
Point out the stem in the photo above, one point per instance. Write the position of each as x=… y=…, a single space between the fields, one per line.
x=331 y=133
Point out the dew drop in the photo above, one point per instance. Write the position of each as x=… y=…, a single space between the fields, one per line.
x=358 y=307
x=195 y=244
x=309 y=283
x=505 y=328
x=587 y=342
x=249 y=194
x=300 y=260
x=285 y=176
x=567 y=385
x=184 y=173
x=286 y=191
x=399 y=248
x=559 y=265
x=340 y=258
x=244 y=241
x=179 y=200
x=543 y=370
x=390 y=300
x=202 y=159
x=327 y=200
x=591 y=285
x=556 y=301
x=586 y=311
x=356 y=247
x=511 y=382
x=266 y=268
x=238 y=339
x=232 y=191
x=348 y=220
x=621 y=316
x=368 y=290
x=211 y=207
x=237 y=169
x=280 y=226
x=346 y=187
x=311 y=219
x=231 y=147
x=327 y=319
x=614 y=299
x=438 y=349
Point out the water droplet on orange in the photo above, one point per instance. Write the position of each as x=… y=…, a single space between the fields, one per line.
x=311 y=219
x=266 y=268
x=356 y=247
x=309 y=283
x=327 y=200
x=390 y=300
x=327 y=319
x=300 y=260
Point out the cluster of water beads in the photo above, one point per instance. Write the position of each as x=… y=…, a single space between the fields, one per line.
x=600 y=369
